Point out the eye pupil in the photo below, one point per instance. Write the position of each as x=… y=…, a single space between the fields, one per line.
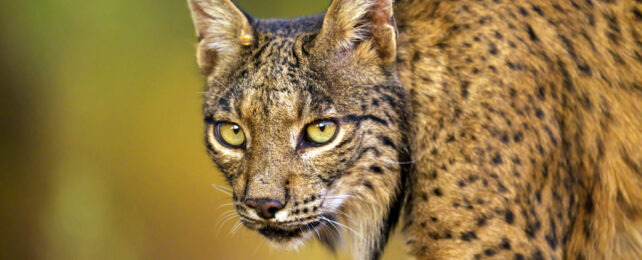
x=322 y=127
x=236 y=129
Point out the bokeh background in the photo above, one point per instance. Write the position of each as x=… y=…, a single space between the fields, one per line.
x=101 y=153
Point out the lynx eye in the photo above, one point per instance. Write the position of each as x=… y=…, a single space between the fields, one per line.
x=230 y=134
x=320 y=132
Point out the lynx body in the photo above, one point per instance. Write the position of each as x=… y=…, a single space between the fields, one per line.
x=488 y=129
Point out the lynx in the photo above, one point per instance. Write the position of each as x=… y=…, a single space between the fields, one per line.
x=487 y=129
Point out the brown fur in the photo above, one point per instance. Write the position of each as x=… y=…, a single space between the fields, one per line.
x=520 y=121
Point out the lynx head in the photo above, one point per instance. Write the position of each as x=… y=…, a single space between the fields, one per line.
x=304 y=118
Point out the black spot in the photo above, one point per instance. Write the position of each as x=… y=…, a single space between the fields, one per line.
x=585 y=69
x=492 y=49
x=509 y=217
x=505 y=138
x=637 y=13
x=588 y=205
x=505 y=244
x=523 y=11
x=497 y=159
x=532 y=228
x=467 y=236
x=376 y=169
x=539 y=113
x=551 y=242
x=432 y=174
x=541 y=93
x=450 y=138
x=305 y=210
x=519 y=256
x=537 y=10
x=489 y=252
x=416 y=56
x=365 y=183
x=519 y=136
x=464 y=89
x=437 y=191
x=531 y=33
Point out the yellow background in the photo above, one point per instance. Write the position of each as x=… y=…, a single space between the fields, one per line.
x=102 y=154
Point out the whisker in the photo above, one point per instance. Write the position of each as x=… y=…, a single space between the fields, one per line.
x=224 y=205
x=210 y=93
x=344 y=226
x=397 y=162
x=229 y=216
x=223 y=189
x=236 y=227
x=340 y=197
x=219 y=83
x=313 y=228
x=337 y=231
x=339 y=212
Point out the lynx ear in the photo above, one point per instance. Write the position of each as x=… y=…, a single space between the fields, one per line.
x=349 y=23
x=222 y=31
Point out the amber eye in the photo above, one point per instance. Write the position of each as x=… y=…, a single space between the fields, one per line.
x=321 y=132
x=230 y=134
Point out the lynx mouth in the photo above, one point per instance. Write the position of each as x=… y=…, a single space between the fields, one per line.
x=285 y=234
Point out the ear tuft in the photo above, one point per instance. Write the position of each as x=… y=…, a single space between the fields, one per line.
x=348 y=23
x=222 y=30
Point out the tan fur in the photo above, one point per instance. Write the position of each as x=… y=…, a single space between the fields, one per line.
x=506 y=129
x=568 y=89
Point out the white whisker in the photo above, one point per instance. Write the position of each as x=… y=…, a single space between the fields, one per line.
x=223 y=189
x=339 y=212
x=224 y=205
x=236 y=227
x=342 y=225
x=397 y=162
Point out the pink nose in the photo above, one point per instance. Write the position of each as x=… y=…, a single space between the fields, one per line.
x=265 y=208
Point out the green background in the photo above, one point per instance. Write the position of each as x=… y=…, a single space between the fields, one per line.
x=102 y=154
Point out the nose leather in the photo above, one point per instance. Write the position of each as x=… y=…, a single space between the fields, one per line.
x=265 y=208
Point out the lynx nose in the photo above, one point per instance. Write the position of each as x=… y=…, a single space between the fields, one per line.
x=265 y=208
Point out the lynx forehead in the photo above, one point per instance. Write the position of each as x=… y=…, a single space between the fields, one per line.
x=498 y=129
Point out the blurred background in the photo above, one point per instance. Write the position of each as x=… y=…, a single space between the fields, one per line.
x=101 y=135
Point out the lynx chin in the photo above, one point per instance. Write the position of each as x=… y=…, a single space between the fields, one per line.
x=482 y=129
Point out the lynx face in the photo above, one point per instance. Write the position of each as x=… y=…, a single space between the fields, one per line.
x=304 y=118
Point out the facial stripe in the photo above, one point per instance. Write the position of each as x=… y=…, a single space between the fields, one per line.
x=360 y=118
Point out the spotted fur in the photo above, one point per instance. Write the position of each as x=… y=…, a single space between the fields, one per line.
x=498 y=129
